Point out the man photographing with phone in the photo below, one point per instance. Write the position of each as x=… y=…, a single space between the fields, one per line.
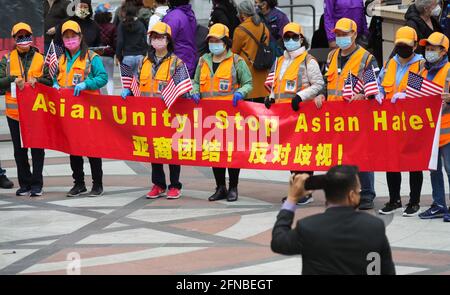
x=339 y=241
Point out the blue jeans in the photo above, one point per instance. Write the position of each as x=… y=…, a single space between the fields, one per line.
x=367 y=180
x=133 y=61
x=437 y=177
x=2 y=171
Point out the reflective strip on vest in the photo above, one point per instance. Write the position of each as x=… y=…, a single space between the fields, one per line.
x=12 y=106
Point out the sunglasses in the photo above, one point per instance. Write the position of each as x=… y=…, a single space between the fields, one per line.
x=294 y=38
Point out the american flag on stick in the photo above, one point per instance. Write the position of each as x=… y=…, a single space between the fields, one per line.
x=270 y=80
x=371 y=84
x=51 y=60
x=129 y=80
x=352 y=86
x=418 y=86
x=179 y=84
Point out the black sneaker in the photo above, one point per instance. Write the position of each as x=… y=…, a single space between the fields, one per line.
x=411 y=210
x=36 y=192
x=390 y=208
x=97 y=191
x=366 y=204
x=220 y=194
x=303 y=201
x=77 y=190
x=5 y=182
x=23 y=191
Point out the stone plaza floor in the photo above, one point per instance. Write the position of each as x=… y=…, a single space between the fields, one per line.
x=124 y=233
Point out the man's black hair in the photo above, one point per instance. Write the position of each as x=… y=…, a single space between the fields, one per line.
x=339 y=181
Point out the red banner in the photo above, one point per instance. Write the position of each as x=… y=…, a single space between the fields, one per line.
x=387 y=137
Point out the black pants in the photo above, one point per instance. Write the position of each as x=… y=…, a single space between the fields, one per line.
x=394 y=180
x=159 y=177
x=233 y=173
x=76 y=163
x=26 y=178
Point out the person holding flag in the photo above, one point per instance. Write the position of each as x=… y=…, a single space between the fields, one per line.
x=222 y=75
x=296 y=75
x=81 y=69
x=349 y=58
x=23 y=65
x=162 y=75
x=437 y=70
x=393 y=80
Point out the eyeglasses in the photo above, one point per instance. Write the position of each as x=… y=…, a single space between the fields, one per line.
x=294 y=38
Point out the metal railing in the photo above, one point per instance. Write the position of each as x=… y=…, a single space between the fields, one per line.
x=292 y=6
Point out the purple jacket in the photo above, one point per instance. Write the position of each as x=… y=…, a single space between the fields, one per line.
x=276 y=20
x=337 y=9
x=183 y=23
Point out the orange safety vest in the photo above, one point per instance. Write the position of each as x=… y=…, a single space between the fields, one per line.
x=389 y=79
x=78 y=72
x=285 y=88
x=442 y=78
x=153 y=85
x=222 y=84
x=15 y=68
x=356 y=64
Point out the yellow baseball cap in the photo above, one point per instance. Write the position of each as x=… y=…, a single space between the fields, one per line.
x=71 y=25
x=161 y=28
x=218 y=31
x=20 y=26
x=294 y=28
x=437 y=39
x=406 y=35
x=345 y=25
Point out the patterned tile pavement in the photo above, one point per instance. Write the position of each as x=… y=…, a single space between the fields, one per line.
x=124 y=233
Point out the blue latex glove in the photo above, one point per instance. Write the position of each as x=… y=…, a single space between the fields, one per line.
x=126 y=92
x=56 y=86
x=237 y=97
x=78 y=88
x=196 y=97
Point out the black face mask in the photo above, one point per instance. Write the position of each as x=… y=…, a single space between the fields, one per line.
x=404 y=51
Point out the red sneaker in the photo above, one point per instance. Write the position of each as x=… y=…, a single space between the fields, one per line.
x=173 y=194
x=156 y=192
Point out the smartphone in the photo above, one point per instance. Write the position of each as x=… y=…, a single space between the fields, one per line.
x=314 y=182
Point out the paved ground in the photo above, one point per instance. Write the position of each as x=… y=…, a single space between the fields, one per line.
x=123 y=233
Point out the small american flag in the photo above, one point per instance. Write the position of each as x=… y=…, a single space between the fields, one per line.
x=24 y=41
x=129 y=80
x=352 y=86
x=418 y=86
x=179 y=84
x=51 y=60
x=269 y=81
x=370 y=83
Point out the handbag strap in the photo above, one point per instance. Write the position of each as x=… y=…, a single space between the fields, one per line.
x=252 y=36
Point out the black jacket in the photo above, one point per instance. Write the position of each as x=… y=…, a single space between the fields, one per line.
x=337 y=241
x=131 y=42
x=414 y=21
x=54 y=16
x=226 y=15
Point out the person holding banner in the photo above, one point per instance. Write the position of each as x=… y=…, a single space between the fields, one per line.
x=81 y=69
x=350 y=58
x=393 y=81
x=222 y=75
x=155 y=72
x=295 y=77
x=437 y=69
x=23 y=65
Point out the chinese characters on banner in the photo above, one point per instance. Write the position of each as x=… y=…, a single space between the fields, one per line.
x=387 y=137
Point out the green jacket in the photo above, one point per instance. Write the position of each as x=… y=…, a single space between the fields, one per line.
x=243 y=74
x=26 y=59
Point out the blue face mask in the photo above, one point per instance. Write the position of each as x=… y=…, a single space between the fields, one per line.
x=216 y=48
x=432 y=56
x=292 y=45
x=344 y=42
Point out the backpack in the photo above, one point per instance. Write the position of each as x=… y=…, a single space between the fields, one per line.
x=264 y=55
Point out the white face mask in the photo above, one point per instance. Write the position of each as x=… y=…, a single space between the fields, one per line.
x=436 y=11
x=82 y=12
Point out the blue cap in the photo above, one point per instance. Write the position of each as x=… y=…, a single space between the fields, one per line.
x=103 y=8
